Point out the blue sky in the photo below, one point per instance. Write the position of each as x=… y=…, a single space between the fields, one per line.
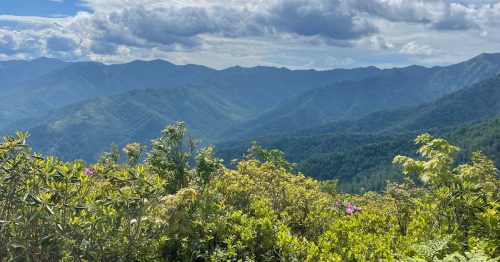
x=41 y=7
x=320 y=34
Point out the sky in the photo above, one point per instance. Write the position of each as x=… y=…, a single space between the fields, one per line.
x=297 y=34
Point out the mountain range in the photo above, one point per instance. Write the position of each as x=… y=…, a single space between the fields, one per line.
x=349 y=100
x=363 y=148
x=76 y=110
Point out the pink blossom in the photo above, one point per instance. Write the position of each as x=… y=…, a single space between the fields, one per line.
x=350 y=210
x=89 y=171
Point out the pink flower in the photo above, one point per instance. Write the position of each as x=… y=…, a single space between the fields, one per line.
x=89 y=171
x=349 y=210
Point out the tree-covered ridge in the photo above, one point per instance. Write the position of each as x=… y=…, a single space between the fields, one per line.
x=359 y=152
x=58 y=99
x=473 y=103
x=396 y=88
x=363 y=160
x=169 y=202
x=52 y=84
x=84 y=130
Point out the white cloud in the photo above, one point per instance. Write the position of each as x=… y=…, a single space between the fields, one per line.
x=379 y=43
x=34 y=19
x=118 y=30
x=413 y=48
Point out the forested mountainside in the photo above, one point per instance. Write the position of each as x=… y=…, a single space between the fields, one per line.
x=60 y=84
x=359 y=152
x=85 y=129
x=363 y=161
x=217 y=105
x=398 y=88
x=17 y=71
x=473 y=103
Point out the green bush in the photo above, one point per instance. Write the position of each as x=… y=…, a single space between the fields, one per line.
x=171 y=203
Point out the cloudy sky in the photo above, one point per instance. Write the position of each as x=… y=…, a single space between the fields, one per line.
x=318 y=34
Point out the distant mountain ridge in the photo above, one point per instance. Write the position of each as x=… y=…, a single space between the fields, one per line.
x=16 y=71
x=79 y=81
x=61 y=84
x=400 y=87
x=475 y=103
x=76 y=110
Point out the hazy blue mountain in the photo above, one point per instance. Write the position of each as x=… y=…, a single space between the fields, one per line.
x=263 y=87
x=349 y=100
x=17 y=71
x=208 y=108
x=259 y=87
x=209 y=100
x=455 y=76
x=84 y=80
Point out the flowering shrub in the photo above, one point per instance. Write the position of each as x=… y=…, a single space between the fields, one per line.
x=89 y=171
x=172 y=203
x=349 y=207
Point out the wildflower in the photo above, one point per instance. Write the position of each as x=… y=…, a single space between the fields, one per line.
x=89 y=171
x=350 y=209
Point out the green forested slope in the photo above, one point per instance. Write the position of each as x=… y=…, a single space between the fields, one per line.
x=479 y=101
x=80 y=81
x=222 y=105
x=17 y=71
x=364 y=160
x=394 y=89
x=84 y=130
x=68 y=83
x=359 y=153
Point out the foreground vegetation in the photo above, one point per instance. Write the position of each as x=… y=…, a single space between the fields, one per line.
x=160 y=204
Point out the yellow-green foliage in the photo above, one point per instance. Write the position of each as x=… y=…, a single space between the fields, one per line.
x=157 y=207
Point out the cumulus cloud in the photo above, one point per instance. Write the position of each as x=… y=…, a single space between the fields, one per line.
x=7 y=44
x=436 y=14
x=331 y=19
x=379 y=43
x=414 y=48
x=182 y=25
x=414 y=11
x=103 y=48
x=457 y=17
x=117 y=25
x=176 y=24
x=18 y=42
x=330 y=61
